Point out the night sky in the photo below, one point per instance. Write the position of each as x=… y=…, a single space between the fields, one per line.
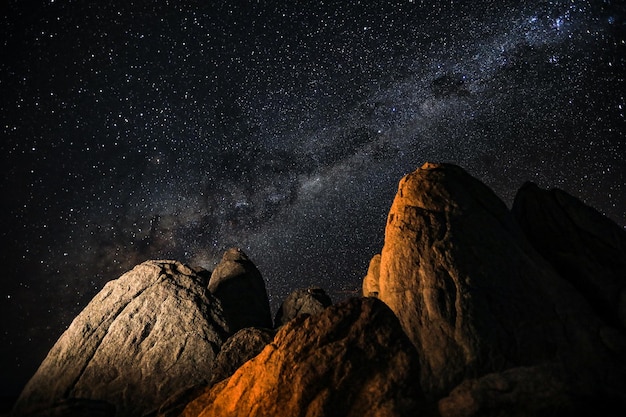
x=135 y=130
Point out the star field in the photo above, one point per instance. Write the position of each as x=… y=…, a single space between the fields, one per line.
x=140 y=130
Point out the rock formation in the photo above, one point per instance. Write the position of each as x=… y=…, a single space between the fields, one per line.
x=523 y=391
x=302 y=301
x=585 y=247
x=143 y=337
x=238 y=284
x=76 y=407
x=350 y=360
x=238 y=349
x=370 y=282
x=474 y=296
x=469 y=310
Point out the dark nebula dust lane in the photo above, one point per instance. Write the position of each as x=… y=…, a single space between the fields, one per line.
x=174 y=130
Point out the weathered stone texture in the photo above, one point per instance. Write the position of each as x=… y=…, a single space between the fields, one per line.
x=143 y=337
x=351 y=360
x=470 y=291
x=302 y=301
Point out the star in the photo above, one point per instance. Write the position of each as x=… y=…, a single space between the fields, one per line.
x=135 y=131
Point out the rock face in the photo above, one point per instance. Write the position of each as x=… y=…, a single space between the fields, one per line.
x=238 y=284
x=464 y=314
x=77 y=407
x=524 y=391
x=146 y=335
x=302 y=301
x=351 y=360
x=473 y=295
x=238 y=349
x=370 y=282
x=585 y=247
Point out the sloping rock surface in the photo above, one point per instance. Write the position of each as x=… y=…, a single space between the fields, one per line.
x=474 y=296
x=302 y=301
x=584 y=246
x=238 y=349
x=238 y=284
x=351 y=360
x=144 y=336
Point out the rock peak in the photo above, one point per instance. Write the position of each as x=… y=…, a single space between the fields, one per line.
x=439 y=165
x=470 y=309
x=460 y=275
x=142 y=337
x=239 y=286
x=235 y=254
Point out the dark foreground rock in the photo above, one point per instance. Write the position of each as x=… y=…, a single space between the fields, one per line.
x=584 y=246
x=238 y=349
x=76 y=407
x=351 y=360
x=238 y=284
x=302 y=301
x=534 y=391
x=476 y=298
x=146 y=335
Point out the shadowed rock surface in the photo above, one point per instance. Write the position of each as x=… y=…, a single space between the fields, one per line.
x=467 y=319
x=351 y=360
x=525 y=391
x=370 y=282
x=238 y=349
x=76 y=407
x=475 y=297
x=143 y=337
x=302 y=301
x=238 y=284
x=584 y=246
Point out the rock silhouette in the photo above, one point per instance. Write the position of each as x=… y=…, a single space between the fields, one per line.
x=302 y=301
x=238 y=284
x=470 y=309
x=238 y=349
x=585 y=247
x=143 y=337
x=526 y=391
x=350 y=360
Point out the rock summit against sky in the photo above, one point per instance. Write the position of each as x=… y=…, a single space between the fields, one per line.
x=462 y=315
x=145 y=130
